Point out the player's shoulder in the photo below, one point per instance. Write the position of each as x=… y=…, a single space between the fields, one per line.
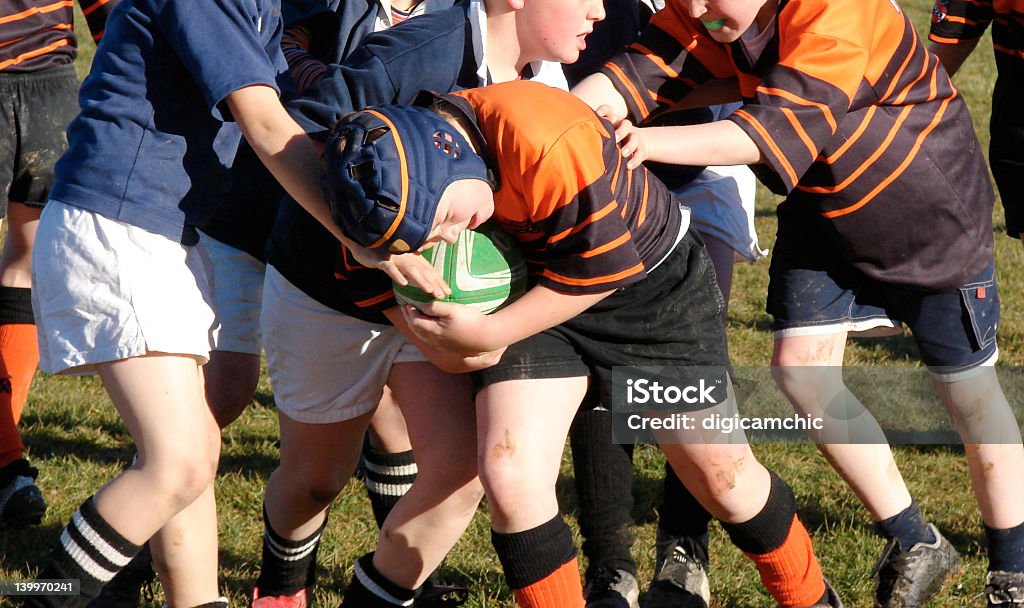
x=536 y=110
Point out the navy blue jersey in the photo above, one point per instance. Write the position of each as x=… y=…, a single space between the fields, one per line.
x=154 y=138
x=244 y=215
x=432 y=51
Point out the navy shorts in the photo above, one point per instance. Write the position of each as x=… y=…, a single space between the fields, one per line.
x=954 y=330
x=669 y=318
x=35 y=109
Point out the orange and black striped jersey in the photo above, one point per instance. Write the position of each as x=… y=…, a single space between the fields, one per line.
x=39 y=34
x=585 y=222
x=859 y=125
x=957 y=21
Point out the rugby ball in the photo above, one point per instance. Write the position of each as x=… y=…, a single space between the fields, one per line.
x=483 y=267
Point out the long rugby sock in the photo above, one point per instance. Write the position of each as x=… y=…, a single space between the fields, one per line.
x=388 y=478
x=908 y=527
x=91 y=551
x=371 y=589
x=682 y=518
x=288 y=565
x=19 y=356
x=540 y=565
x=604 y=484
x=1005 y=548
x=781 y=549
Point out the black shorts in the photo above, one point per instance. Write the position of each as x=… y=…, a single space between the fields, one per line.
x=672 y=317
x=35 y=109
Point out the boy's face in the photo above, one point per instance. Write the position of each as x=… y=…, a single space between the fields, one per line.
x=555 y=30
x=465 y=204
x=726 y=20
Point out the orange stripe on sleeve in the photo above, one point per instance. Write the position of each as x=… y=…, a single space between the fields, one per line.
x=609 y=278
x=643 y=201
x=633 y=92
x=56 y=6
x=607 y=246
x=374 y=300
x=656 y=60
x=944 y=40
x=799 y=128
x=586 y=222
x=788 y=168
x=787 y=95
x=95 y=5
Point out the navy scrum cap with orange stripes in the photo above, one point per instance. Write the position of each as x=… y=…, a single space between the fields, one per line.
x=384 y=170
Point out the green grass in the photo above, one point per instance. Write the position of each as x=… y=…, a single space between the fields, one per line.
x=78 y=442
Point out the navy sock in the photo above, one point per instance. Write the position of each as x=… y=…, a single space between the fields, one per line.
x=288 y=565
x=388 y=477
x=370 y=589
x=1005 y=548
x=908 y=527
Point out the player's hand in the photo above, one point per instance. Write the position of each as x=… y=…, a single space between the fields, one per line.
x=608 y=113
x=632 y=143
x=451 y=327
x=404 y=269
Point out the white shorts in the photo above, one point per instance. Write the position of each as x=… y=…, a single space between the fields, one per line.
x=237 y=280
x=325 y=366
x=721 y=202
x=104 y=290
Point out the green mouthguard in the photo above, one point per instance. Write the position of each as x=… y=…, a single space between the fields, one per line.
x=713 y=25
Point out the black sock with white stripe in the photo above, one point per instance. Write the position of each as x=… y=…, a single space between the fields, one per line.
x=388 y=478
x=288 y=565
x=370 y=589
x=91 y=551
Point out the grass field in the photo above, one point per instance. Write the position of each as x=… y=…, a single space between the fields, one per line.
x=78 y=442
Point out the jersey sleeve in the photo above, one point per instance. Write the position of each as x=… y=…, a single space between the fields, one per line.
x=669 y=60
x=222 y=45
x=587 y=246
x=958 y=21
x=391 y=66
x=801 y=101
x=96 y=13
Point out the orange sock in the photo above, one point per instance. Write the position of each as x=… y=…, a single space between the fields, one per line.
x=560 y=589
x=791 y=573
x=19 y=356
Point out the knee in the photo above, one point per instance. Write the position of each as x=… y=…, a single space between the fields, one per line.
x=509 y=486
x=321 y=487
x=184 y=478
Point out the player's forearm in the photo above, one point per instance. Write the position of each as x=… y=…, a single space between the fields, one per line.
x=597 y=90
x=539 y=309
x=285 y=149
x=717 y=143
x=952 y=56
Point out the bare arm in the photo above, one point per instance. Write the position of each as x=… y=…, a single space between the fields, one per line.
x=462 y=329
x=294 y=160
x=721 y=142
x=597 y=90
x=952 y=56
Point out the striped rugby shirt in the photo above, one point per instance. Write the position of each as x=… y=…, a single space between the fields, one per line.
x=39 y=34
x=957 y=21
x=585 y=223
x=860 y=127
